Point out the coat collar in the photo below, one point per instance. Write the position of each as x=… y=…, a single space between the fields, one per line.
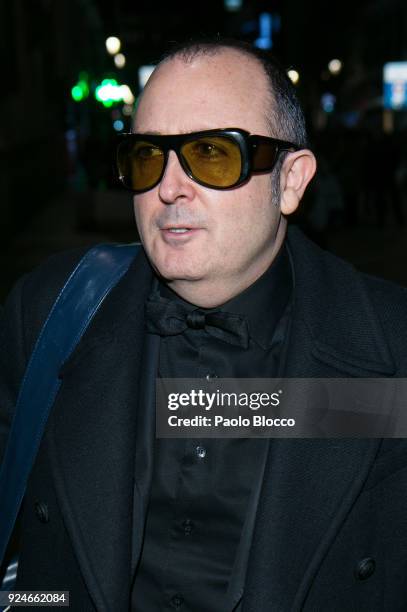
x=333 y=318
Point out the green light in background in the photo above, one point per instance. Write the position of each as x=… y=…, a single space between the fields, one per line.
x=76 y=93
x=85 y=88
x=109 y=92
x=80 y=91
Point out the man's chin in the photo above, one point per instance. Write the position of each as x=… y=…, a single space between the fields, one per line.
x=178 y=266
x=178 y=269
x=178 y=274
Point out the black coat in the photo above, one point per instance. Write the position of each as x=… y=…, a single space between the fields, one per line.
x=325 y=506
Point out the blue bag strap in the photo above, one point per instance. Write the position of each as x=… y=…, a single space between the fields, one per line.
x=95 y=275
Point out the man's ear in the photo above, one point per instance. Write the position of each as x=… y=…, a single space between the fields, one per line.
x=297 y=171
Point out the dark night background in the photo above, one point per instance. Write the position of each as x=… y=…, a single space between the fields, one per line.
x=57 y=187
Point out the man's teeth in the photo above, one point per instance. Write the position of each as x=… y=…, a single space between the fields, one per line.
x=178 y=230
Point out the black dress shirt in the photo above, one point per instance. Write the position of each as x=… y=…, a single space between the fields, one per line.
x=204 y=492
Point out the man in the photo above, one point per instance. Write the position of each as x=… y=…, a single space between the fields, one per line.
x=124 y=521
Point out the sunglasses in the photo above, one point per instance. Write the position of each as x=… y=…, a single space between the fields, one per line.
x=218 y=159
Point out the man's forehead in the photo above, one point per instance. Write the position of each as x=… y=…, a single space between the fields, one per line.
x=228 y=89
x=227 y=70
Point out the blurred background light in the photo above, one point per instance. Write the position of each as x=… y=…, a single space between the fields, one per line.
x=335 y=66
x=328 y=101
x=144 y=73
x=76 y=92
x=127 y=110
x=127 y=94
x=232 y=5
x=264 y=40
x=80 y=91
x=113 y=45
x=71 y=141
x=395 y=85
x=108 y=92
x=120 y=60
x=293 y=75
x=118 y=125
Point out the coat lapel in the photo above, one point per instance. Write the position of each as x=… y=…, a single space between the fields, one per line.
x=311 y=484
x=92 y=435
x=144 y=456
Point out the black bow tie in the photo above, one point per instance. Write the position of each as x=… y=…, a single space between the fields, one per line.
x=169 y=318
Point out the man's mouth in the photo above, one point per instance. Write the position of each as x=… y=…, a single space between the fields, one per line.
x=179 y=229
x=179 y=232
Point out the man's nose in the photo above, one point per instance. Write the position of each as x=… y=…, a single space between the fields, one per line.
x=175 y=183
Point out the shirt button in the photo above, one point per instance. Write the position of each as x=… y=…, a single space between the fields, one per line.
x=200 y=452
x=41 y=510
x=177 y=601
x=365 y=568
x=188 y=527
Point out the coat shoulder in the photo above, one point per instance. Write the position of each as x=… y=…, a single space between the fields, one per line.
x=389 y=301
x=33 y=295
x=345 y=308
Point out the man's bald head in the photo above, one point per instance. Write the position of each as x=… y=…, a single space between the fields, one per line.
x=284 y=112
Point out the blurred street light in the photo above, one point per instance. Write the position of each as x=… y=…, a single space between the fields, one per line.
x=127 y=110
x=109 y=92
x=80 y=91
x=120 y=60
x=127 y=94
x=294 y=76
x=118 y=125
x=265 y=30
x=144 y=73
x=113 y=45
x=395 y=85
x=328 y=102
x=232 y=5
x=335 y=66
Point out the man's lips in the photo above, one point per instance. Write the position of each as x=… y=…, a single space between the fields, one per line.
x=179 y=226
x=179 y=232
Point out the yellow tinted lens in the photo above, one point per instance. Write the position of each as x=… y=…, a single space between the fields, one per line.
x=214 y=160
x=141 y=165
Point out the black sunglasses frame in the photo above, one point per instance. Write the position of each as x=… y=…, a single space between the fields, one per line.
x=248 y=145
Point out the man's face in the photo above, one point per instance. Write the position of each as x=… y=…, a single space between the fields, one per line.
x=236 y=232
